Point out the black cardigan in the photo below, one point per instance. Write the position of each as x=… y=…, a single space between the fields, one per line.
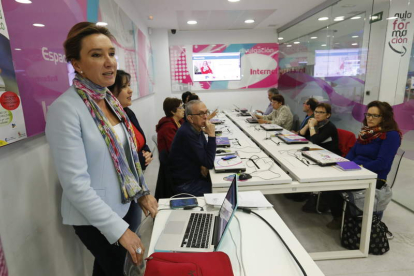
x=134 y=121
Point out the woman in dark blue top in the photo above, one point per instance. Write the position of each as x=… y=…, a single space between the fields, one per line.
x=374 y=150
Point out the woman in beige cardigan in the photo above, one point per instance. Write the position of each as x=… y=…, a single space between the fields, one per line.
x=281 y=114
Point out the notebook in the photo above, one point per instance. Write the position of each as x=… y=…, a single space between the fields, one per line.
x=207 y=236
x=222 y=142
x=269 y=127
x=216 y=121
x=323 y=157
x=228 y=166
x=253 y=119
x=292 y=138
x=348 y=166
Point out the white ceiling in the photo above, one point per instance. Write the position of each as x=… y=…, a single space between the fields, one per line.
x=221 y=14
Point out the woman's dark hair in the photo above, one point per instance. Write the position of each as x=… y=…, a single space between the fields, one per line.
x=327 y=107
x=185 y=95
x=170 y=105
x=121 y=79
x=279 y=98
x=388 y=122
x=193 y=97
x=73 y=42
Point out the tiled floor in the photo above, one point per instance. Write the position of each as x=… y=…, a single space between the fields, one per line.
x=311 y=232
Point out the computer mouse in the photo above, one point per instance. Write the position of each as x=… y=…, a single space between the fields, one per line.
x=304 y=149
x=220 y=151
x=244 y=176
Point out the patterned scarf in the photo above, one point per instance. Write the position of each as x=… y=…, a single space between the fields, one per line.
x=129 y=184
x=368 y=134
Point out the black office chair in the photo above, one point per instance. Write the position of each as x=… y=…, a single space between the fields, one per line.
x=392 y=175
x=165 y=184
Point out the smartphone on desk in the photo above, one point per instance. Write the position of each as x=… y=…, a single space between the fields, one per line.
x=183 y=202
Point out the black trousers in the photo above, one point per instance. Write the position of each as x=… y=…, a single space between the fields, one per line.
x=109 y=258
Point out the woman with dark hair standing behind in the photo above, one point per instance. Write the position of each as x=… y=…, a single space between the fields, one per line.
x=123 y=92
x=167 y=126
x=375 y=149
x=95 y=154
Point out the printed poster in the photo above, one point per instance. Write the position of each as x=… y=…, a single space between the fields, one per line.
x=12 y=126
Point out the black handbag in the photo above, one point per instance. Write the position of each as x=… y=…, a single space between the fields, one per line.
x=351 y=235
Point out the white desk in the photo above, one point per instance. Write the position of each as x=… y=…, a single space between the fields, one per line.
x=308 y=179
x=251 y=241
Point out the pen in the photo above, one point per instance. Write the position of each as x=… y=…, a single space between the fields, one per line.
x=255 y=164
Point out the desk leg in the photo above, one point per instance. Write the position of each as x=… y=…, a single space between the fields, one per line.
x=367 y=218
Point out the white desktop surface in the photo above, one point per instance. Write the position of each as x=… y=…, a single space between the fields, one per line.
x=253 y=243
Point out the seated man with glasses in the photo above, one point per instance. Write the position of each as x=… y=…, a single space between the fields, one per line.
x=192 y=155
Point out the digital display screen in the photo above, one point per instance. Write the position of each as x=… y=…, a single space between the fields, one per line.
x=216 y=66
x=341 y=62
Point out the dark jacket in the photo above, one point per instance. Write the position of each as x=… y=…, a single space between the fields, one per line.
x=166 y=130
x=326 y=137
x=134 y=121
x=189 y=151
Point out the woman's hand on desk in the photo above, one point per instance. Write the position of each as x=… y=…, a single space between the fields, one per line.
x=148 y=157
x=149 y=205
x=131 y=242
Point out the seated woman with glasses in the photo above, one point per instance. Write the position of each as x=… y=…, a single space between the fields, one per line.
x=123 y=92
x=167 y=126
x=375 y=149
x=320 y=130
x=281 y=114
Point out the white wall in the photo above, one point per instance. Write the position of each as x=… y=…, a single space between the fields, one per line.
x=213 y=98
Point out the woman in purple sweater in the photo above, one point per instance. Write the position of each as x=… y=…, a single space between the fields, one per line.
x=374 y=150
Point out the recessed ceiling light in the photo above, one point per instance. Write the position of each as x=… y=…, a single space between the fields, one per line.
x=323 y=45
x=323 y=18
x=101 y=24
x=355 y=36
x=150 y=17
x=314 y=37
x=191 y=22
x=288 y=45
x=233 y=1
x=249 y=21
x=24 y=1
x=354 y=44
x=17 y=49
x=38 y=25
x=280 y=38
x=339 y=18
x=296 y=42
x=356 y=17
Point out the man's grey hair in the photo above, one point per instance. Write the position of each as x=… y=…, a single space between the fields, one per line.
x=189 y=106
x=273 y=90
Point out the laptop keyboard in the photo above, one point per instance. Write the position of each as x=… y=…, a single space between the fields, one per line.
x=198 y=231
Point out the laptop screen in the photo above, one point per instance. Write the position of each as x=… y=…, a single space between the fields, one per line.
x=227 y=208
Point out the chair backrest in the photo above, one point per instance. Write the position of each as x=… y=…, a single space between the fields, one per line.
x=392 y=175
x=346 y=141
x=165 y=184
x=296 y=123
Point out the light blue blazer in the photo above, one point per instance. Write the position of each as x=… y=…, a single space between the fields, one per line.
x=91 y=193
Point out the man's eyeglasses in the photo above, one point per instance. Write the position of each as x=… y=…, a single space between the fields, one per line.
x=202 y=114
x=319 y=112
x=369 y=115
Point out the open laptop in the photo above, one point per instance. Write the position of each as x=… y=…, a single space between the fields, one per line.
x=292 y=138
x=189 y=231
x=222 y=142
x=253 y=119
x=233 y=165
x=270 y=127
x=323 y=157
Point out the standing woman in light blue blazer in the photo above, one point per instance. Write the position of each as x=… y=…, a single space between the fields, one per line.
x=94 y=151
